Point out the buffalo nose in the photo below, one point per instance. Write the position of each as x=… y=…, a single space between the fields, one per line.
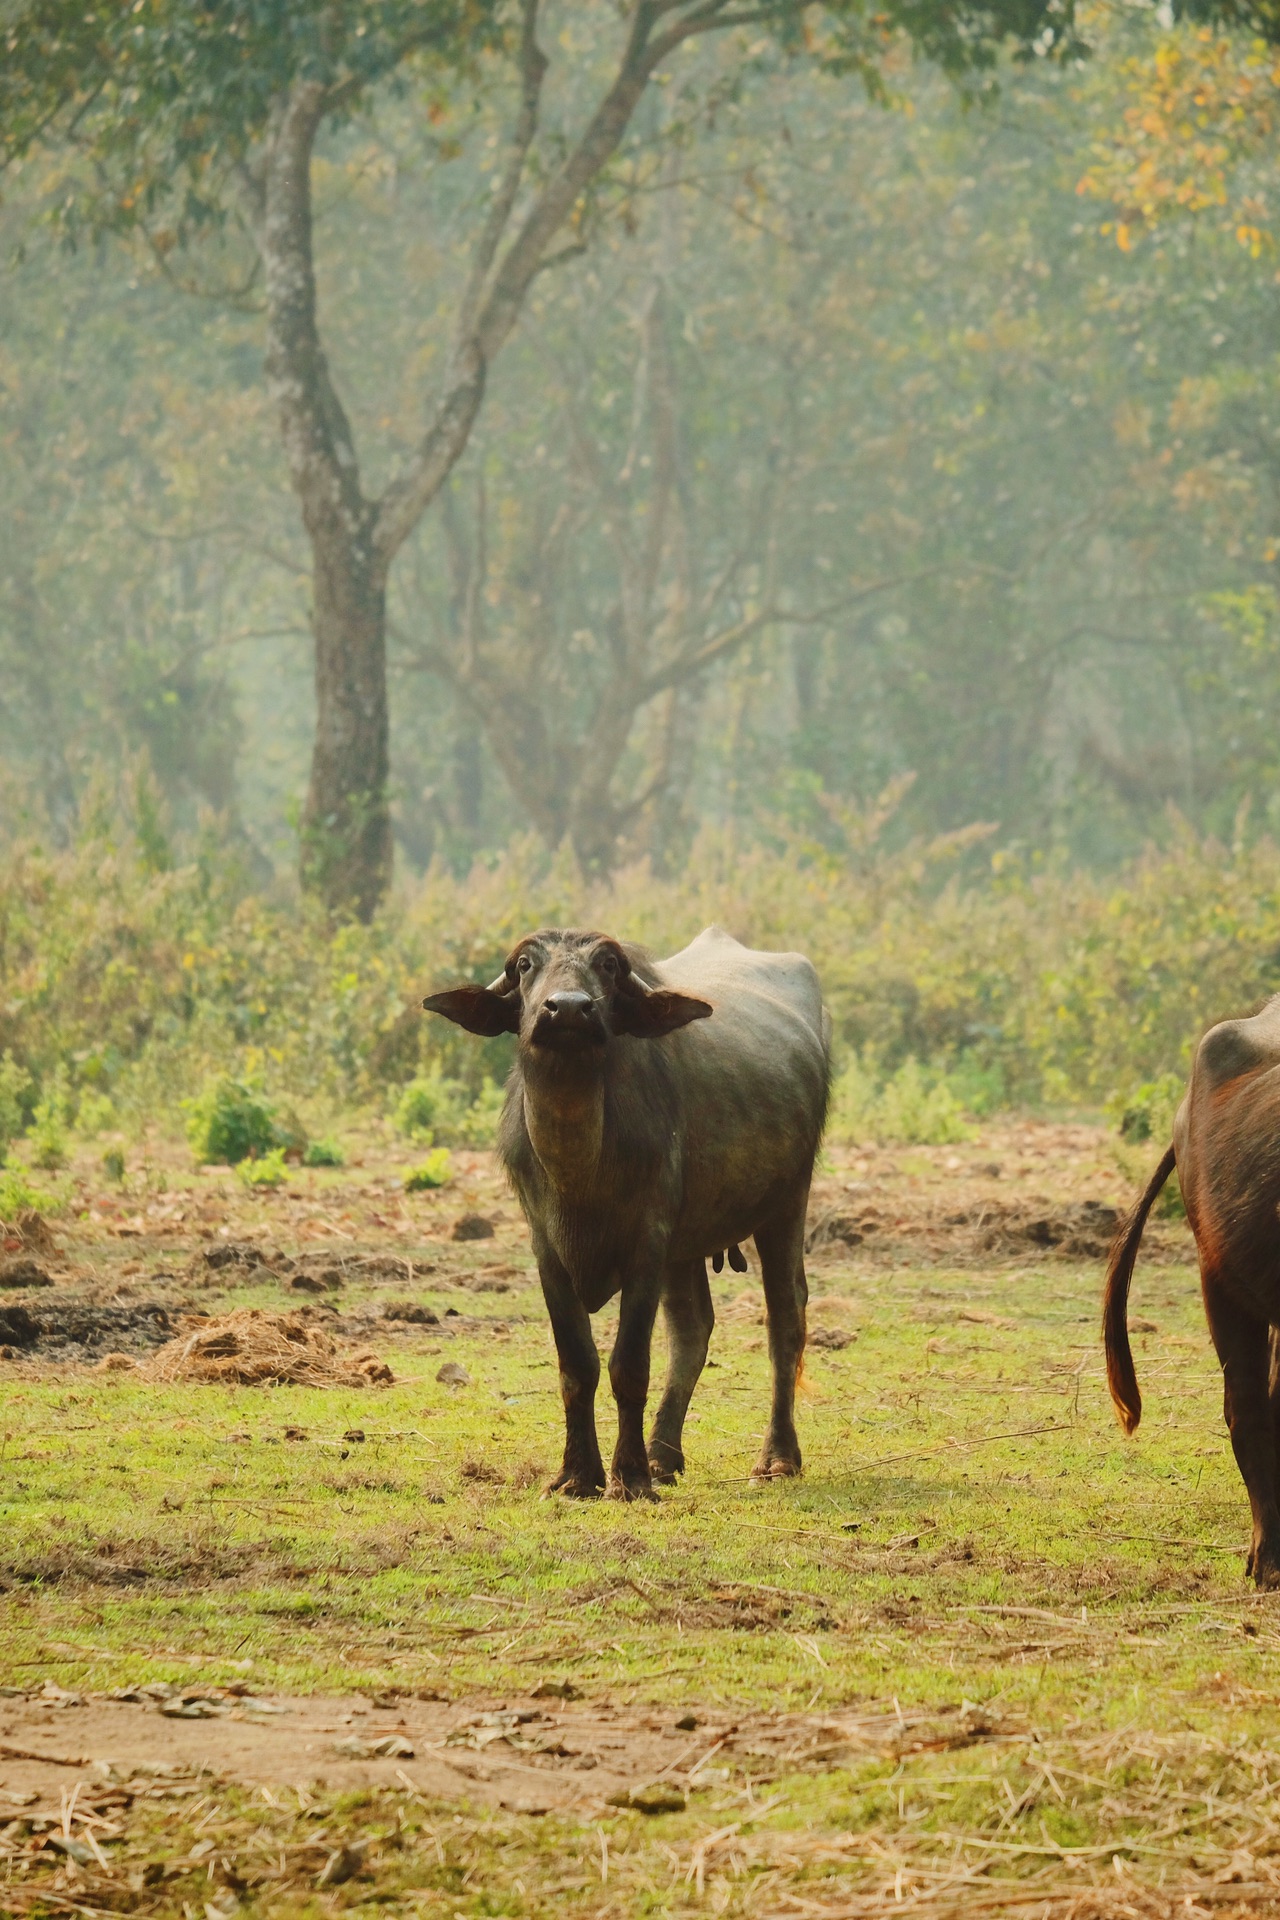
x=570 y=1009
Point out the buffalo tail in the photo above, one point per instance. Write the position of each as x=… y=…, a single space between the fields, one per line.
x=1121 y=1378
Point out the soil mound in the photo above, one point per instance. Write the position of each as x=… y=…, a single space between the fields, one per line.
x=252 y=1348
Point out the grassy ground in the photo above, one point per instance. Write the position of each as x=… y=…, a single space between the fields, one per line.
x=972 y=1527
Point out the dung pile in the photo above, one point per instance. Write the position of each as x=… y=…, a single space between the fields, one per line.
x=255 y=1349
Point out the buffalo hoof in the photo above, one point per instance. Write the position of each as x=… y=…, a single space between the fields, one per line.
x=629 y=1487
x=774 y=1467
x=1265 y=1570
x=575 y=1486
x=666 y=1464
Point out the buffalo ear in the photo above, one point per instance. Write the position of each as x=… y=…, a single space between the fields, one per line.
x=657 y=1012
x=478 y=1009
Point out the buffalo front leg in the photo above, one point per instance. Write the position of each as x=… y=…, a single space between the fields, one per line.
x=629 y=1477
x=690 y=1316
x=1242 y=1345
x=780 y=1245
x=582 y=1475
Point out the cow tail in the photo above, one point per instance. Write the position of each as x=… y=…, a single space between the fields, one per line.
x=1121 y=1378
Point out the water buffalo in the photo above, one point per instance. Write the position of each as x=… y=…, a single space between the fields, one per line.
x=1226 y=1147
x=658 y=1112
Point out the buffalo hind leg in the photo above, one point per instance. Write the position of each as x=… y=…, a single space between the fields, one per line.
x=582 y=1475
x=1273 y=1395
x=690 y=1316
x=780 y=1245
x=1243 y=1348
x=629 y=1476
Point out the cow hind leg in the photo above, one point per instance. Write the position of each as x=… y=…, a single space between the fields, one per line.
x=1244 y=1349
x=690 y=1316
x=780 y=1245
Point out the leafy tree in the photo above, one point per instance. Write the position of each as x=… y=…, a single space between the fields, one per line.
x=197 y=119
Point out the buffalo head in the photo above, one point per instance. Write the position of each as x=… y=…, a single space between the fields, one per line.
x=568 y=991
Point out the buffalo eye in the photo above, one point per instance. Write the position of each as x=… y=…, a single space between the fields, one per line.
x=608 y=963
x=525 y=963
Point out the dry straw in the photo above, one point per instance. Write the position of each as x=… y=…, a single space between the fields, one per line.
x=255 y=1349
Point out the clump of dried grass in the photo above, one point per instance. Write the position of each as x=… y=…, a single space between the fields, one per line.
x=254 y=1349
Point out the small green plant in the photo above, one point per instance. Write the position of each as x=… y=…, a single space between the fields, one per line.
x=18 y=1196
x=430 y=1105
x=229 y=1122
x=49 y=1127
x=478 y=1126
x=267 y=1171
x=435 y=1171
x=95 y=1113
x=15 y=1096
x=908 y=1110
x=1146 y=1116
x=1147 y=1112
x=113 y=1165
x=323 y=1153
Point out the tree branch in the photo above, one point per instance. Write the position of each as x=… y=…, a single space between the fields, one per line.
x=533 y=67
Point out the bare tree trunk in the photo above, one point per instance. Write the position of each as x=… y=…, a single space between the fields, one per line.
x=347 y=845
x=347 y=850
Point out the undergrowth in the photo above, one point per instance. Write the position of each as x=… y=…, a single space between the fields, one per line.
x=952 y=995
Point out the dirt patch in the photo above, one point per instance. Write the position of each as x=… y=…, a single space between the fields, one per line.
x=78 y=1330
x=253 y=1348
x=893 y=1227
x=534 y=1754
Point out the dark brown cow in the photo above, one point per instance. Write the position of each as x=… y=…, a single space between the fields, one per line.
x=1226 y=1146
x=658 y=1113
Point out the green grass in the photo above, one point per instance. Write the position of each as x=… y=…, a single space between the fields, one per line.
x=338 y=1563
x=1085 y=1591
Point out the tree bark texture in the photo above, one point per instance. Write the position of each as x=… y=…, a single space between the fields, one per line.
x=346 y=827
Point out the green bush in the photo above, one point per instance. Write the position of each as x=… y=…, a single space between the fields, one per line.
x=49 y=1125
x=436 y=1110
x=435 y=1171
x=429 y=1105
x=1147 y=1112
x=323 y=1153
x=16 y=1092
x=17 y=1196
x=478 y=1126
x=113 y=1165
x=908 y=1109
x=267 y=1171
x=229 y=1122
x=95 y=1113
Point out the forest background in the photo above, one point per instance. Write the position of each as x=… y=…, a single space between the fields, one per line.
x=868 y=540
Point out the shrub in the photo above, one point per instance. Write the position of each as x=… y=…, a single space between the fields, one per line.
x=435 y=1171
x=907 y=1110
x=18 y=1196
x=48 y=1130
x=438 y=1111
x=430 y=1105
x=228 y=1122
x=15 y=1094
x=1146 y=1116
x=268 y=1171
x=95 y=1113
x=1147 y=1113
x=323 y=1153
x=478 y=1126
x=113 y=1165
